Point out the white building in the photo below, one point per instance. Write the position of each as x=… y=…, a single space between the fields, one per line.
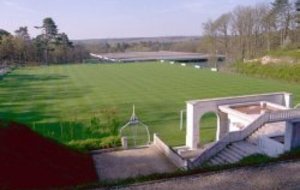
x=247 y=125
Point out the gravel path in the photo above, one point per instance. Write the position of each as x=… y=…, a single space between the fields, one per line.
x=277 y=176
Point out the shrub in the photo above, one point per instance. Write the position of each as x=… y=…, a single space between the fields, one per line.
x=93 y=144
x=255 y=159
x=109 y=126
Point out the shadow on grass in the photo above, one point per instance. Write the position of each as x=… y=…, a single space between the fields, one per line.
x=25 y=98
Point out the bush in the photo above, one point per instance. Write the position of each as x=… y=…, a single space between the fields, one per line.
x=107 y=123
x=93 y=144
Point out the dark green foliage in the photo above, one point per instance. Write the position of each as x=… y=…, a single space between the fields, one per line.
x=49 y=47
x=94 y=144
x=255 y=159
x=3 y=33
x=109 y=126
x=22 y=33
x=82 y=135
x=50 y=27
x=294 y=154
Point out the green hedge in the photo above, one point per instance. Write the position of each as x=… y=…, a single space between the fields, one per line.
x=94 y=144
x=287 y=72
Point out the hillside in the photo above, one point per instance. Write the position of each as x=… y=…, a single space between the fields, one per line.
x=281 y=65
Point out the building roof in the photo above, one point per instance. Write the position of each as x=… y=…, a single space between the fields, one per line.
x=160 y=55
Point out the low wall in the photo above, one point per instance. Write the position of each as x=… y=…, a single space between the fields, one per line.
x=270 y=147
x=175 y=158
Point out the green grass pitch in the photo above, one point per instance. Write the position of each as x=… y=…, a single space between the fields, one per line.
x=49 y=97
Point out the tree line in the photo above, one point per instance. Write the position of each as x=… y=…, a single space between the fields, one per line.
x=48 y=47
x=144 y=46
x=246 y=32
x=250 y=31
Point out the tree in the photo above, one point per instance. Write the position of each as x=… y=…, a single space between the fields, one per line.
x=282 y=10
x=50 y=28
x=297 y=5
x=3 y=33
x=210 y=36
x=22 y=43
x=48 y=36
x=22 y=32
x=7 y=48
x=222 y=25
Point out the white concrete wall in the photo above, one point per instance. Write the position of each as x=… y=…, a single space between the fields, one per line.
x=197 y=108
x=270 y=147
x=176 y=159
x=292 y=135
x=234 y=119
x=192 y=135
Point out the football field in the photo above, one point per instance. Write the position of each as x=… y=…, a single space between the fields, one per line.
x=48 y=97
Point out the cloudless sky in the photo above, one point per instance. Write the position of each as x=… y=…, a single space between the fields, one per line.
x=85 y=19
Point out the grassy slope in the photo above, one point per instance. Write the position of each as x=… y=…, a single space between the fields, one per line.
x=50 y=95
x=294 y=53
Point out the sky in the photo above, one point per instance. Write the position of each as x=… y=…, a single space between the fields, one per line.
x=89 y=19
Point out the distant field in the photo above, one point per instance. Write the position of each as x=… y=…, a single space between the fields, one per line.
x=49 y=98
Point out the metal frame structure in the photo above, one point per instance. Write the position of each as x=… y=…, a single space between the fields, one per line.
x=135 y=121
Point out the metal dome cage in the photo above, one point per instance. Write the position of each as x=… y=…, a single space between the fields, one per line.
x=136 y=132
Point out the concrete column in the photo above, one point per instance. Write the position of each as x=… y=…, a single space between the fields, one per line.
x=292 y=136
x=124 y=142
x=223 y=125
x=288 y=100
x=192 y=130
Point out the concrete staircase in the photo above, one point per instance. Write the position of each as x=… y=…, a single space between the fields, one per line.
x=237 y=145
x=233 y=153
x=273 y=129
x=237 y=151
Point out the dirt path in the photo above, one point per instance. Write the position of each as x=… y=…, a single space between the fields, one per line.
x=277 y=176
x=130 y=163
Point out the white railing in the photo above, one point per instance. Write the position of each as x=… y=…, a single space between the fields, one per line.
x=243 y=134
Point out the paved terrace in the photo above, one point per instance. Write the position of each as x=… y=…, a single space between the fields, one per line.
x=130 y=163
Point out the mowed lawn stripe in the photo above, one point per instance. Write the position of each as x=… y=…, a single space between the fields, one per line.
x=50 y=94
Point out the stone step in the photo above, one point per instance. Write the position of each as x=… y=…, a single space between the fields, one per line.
x=219 y=160
x=237 y=152
x=225 y=161
x=213 y=162
x=229 y=158
x=234 y=156
x=240 y=148
x=250 y=148
x=245 y=147
x=225 y=157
